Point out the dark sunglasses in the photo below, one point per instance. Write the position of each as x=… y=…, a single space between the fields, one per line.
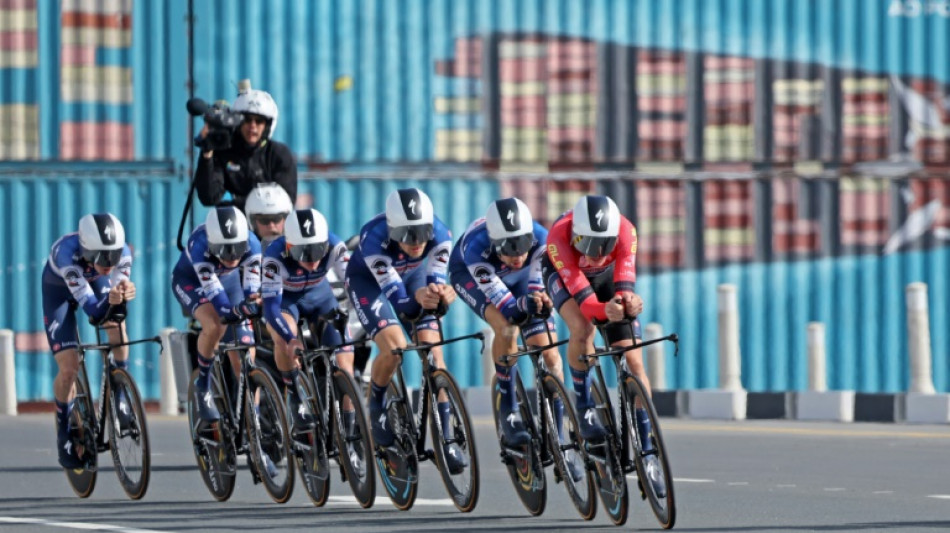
x=103 y=258
x=256 y=119
x=269 y=219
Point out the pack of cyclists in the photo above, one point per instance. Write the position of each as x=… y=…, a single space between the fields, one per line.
x=509 y=269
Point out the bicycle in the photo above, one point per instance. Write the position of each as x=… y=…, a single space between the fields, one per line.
x=330 y=437
x=526 y=463
x=130 y=449
x=622 y=452
x=217 y=445
x=398 y=464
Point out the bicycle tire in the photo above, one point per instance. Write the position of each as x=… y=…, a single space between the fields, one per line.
x=583 y=493
x=130 y=448
x=83 y=432
x=608 y=465
x=310 y=447
x=398 y=464
x=463 y=486
x=359 y=445
x=213 y=447
x=526 y=472
x=268 y=433
x=663 y=508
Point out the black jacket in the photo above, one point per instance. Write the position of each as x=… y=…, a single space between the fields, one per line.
x=239 y=168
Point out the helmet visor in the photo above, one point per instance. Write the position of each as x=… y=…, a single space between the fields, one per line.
x=231 y=251
x=418 y=234
x=309 y=253
x=514 y=246
x=594 y=246
x=103 y=258
x=266 y=220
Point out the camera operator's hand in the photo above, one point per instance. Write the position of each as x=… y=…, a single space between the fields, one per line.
x=201 y=135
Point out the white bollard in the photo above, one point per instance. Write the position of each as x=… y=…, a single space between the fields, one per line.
x=7 y=374
x=730 y=369
x=918 y=339
x=168 y=404
x=488 y=364
x=656 y=361
x=817 y=369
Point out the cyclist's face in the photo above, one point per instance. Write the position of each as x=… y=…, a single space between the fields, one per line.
x=514 y=261
x=229 y=264
x=101 y=270
x=412 y=250
x=269 y=229
x=595 y=261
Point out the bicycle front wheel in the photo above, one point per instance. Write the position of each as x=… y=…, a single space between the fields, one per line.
x=354 y=443
x=310 y=448
x=460 y=471
x=82 y=430
x=523 y=463
x=608 y=465
x=128 y=435
x=398 y=464
x=652 y=464
x=568 y=449
x=213 y=443
x=268 y=436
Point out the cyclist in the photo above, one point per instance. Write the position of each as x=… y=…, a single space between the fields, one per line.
x=209 y=285
x=589 y=271
x=496 y=269
x=89 y=269
x=386 y=268
x=294 y=284
x=266 y=208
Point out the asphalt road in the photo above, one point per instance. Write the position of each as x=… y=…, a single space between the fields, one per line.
x=730 y=476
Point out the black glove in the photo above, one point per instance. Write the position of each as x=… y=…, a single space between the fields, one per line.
x=530 y=306
x=114 y=313
x=247 y=309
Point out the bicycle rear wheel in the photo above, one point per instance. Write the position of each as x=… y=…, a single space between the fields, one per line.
x=609 y=469
x=213 y=443
x=397 y=464
x=130 y=446
x=310 y=448
x=462 y=485
x=268 y=435
x=583 y=492
x=356 y=446
x=82 y=429
x=524 y=463
x=664 y=507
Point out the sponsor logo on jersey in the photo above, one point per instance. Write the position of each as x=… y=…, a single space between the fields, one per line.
x=482 y=275
x=271 y=270
x=380 y=267
x=72 y=278
x=442 y=256
x=205 y=273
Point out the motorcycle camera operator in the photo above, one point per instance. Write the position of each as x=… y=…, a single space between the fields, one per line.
x=237 y=149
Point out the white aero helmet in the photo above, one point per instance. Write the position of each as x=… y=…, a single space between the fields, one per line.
x=255 y=102
x=409 y=216
x=269 y=200
x=307 y=236
x=510 y=227
x=227 y=233
x=102 y=238
x=596 y=225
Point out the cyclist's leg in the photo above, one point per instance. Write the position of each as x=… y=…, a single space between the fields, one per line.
x=620 y=335
x=536 y=334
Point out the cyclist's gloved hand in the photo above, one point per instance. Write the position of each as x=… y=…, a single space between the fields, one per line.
x=247 y=309
x=530 y=305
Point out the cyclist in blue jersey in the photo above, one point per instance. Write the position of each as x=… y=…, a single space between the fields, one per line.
x=294 y=285
x=495 y=268
x=266 y=209
x=89 y=269
x=217 y=279
x=397 y=271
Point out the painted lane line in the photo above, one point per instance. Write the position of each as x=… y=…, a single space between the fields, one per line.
x=382 y=500
x=834 y=489
x=680 y=479
x=737 y=483
x=883 y=492
x=74 y=525
x=790 y=486
x=939 y=496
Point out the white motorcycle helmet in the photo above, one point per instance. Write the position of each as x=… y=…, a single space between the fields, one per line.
x=510 y=227
x=268 y=199
x=227 y=232
x=307 y=235
x=102 y=238
x=257 y=102
x=596 y=225
x=409 y=216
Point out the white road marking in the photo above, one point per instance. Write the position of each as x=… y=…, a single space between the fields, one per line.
x=382 y=500
x=733 y=483
x=834 y=489
x=939 y=496
x=791 y=486
x=888 y=492
x=680 y=479
x=74 y=525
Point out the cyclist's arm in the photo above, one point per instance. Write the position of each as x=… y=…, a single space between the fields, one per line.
x=437 y=265
x=535 y=279
x=272 y=289
x=496 y=291
x=251 y=267
x=565 y=261
x=82 y=292
x=339 y=257
x=625 y=258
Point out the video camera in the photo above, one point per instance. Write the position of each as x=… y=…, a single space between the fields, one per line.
x=221 y=121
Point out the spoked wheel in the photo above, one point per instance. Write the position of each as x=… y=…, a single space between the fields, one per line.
x=128 y=435
x=653 y=467
x=310 y=449
x=353 y=440
x=397 y=464
x=213 y=444
x=455 y=444
x=568 y=452
x=608 y=466
x=269 y=438
x=524 y=463
x=82 y=432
